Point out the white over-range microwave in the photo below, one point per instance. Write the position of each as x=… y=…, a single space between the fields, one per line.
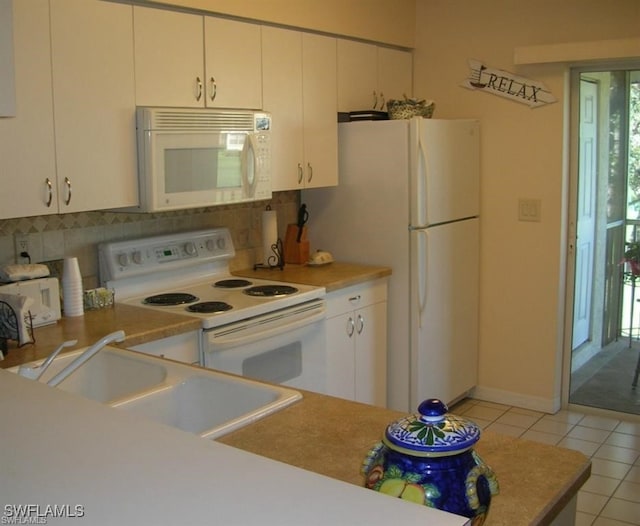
x=196 y=157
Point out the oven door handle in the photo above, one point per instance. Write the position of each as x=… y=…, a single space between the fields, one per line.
x=220 y=343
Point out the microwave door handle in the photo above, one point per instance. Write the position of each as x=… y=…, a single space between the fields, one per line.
x=250 y=167
x=222 y=343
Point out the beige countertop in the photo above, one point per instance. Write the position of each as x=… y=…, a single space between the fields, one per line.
x=333 y=276
x=140 y=326
x=331 y=436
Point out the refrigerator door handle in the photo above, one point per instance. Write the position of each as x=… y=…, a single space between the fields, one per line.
x=423 y=242
x=421 y=182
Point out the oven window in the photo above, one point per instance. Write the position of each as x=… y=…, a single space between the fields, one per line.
x=277 y=365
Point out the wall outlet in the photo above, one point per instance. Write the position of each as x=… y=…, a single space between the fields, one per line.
x=21 y=244
x=30 y=245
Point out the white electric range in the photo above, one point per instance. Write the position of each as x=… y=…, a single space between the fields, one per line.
x=268 y=330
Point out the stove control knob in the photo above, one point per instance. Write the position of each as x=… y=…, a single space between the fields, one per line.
x=123 y=259
x=222 y=243
x=137 y=257
x=190 y=248
x=211 y=245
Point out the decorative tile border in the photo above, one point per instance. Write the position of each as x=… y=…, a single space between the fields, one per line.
x=80 y=233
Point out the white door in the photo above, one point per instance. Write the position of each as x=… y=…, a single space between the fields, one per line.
x=445 y=154
x=586 y=213
x=444 y=310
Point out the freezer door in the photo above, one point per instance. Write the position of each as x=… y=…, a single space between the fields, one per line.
x=445 y=170
x=444 y=311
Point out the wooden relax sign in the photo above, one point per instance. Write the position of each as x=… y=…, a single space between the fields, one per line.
x=508 y=85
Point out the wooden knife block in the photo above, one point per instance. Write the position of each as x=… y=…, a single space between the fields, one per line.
x=294 y=252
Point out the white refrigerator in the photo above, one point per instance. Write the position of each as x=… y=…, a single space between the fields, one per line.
x=408 y=198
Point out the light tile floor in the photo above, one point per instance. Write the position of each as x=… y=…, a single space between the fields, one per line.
x=611 y=496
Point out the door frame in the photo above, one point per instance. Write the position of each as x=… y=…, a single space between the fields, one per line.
x=570 y=191
x=571 y=177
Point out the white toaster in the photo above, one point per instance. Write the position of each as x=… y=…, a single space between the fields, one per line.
x=45 y=293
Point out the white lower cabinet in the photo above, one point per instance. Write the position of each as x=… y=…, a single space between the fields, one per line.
x=357 y=343
x=180 y=347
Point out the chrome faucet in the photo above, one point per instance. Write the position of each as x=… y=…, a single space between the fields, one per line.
x=117 y=336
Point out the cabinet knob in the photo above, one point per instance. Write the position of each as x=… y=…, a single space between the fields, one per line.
x=300 y=173
x=310 y=170
x=360 y=324
x=350 y=327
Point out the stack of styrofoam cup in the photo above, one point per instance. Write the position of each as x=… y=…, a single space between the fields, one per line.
x=72 y=288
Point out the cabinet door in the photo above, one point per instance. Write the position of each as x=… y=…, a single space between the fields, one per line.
x=282 y=96
x=181 y=347
x=169 y=58
x=93 y=86
x=233 y=64
x=357 y=76
x=340 y=356
x=371 y=354
x=26 y=140
x=319 y=84
x=395 y=73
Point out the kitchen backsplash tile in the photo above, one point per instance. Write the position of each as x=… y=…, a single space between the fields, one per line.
x=55 y=237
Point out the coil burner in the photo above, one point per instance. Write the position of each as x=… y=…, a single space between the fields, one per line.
x=270 y=291
x=170 y=299
x=232 y=283
x=209 y=307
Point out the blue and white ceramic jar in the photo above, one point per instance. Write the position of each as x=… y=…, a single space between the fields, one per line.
x=428 y=458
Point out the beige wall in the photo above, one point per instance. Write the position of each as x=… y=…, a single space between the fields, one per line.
x=522 y=289
x=390 y=22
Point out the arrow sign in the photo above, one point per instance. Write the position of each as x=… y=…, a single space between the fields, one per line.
x=508 y=85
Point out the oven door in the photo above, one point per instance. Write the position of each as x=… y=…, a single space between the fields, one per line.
x=284 y=347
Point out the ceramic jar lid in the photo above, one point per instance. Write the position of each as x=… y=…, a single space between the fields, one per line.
x=432 y=432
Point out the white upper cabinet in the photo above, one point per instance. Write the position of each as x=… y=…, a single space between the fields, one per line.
x=86 y=158
x=27 y=168
x=233 y=64
x=189 y=60
x=395 y=73
x=299 y=89
x=320 y=110
x=7 y=78
x=369 y=75
x=282 y=95
x=169 y=58
x=357 y=76
x=94 y=104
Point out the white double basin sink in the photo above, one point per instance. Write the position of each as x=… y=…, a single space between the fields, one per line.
x=201 y=401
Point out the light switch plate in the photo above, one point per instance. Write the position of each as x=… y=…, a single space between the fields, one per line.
x=529 y=209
